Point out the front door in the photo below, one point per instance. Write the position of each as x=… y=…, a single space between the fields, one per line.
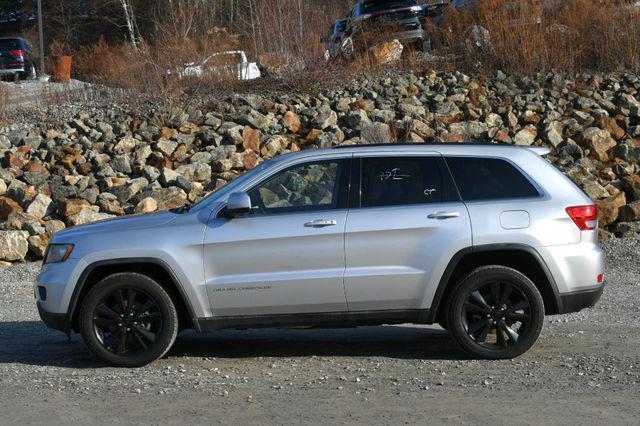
x=400 y=235
x=287 y=255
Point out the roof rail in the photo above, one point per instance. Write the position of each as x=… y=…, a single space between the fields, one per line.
x=540 y=150
x=427 y=144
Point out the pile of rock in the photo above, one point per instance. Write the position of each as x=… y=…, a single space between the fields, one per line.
x=100 y=165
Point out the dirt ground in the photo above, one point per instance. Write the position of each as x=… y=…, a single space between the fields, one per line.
x=585 y=369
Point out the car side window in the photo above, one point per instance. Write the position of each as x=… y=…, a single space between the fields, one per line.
x=489 y=179
x=305 y=187
x=394 y=181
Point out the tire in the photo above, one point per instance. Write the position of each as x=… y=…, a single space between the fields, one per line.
x=133 y=308
x=495 y=312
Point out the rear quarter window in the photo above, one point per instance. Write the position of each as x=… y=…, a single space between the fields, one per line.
x=489 y=179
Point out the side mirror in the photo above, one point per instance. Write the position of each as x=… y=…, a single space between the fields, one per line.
x=238 y=203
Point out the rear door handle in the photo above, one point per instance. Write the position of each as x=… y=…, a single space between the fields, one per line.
x=321 y=223
x=444 y=215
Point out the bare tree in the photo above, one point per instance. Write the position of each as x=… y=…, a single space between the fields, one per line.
x=130 y=20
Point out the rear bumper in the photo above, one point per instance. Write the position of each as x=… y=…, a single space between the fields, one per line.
x=7 y=71
x=578 y=300
x=54 y=321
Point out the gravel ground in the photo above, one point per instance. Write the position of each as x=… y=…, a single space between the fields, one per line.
x=585 y=369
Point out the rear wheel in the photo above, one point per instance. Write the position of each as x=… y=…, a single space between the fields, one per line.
x=496 y=313
x=128 y=320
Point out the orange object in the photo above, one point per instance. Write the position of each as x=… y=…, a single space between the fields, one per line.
x=62 y=68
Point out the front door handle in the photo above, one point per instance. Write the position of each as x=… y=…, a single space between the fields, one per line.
x=444 y=215
x=321 y=223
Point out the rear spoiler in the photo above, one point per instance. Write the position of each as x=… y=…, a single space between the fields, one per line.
x=540 y=150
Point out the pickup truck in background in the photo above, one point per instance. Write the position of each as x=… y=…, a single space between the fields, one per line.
x=231 y=65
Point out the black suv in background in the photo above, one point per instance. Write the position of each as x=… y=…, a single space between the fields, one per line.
x=374 y=21
x=16 y=58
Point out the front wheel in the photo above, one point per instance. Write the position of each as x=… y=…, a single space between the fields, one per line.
x=128 y=320
x=496 y=313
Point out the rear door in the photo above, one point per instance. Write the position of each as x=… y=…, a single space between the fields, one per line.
x=404 y=225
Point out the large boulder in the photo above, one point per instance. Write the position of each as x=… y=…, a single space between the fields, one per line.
x=632 y=184
x=71 y=207
x=387 y=52
x=251 y=139
x=147 y=205
x=554 y=133
x=40 y=207
x=356 y=120
x=471 y=130
x=197 y=172
x=325 y=118
x=14 y=245
x=8 y=207
x=167 y=198
x=88 y=216
x=291 y=122
x=608 y=208
x=630 y=212
x=598 y=141
x=526 y=136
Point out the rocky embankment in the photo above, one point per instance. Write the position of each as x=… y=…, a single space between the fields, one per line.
x=103 y=164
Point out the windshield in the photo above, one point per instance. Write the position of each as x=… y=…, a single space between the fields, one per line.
x=373 y=6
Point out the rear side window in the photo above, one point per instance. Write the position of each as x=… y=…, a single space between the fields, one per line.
x=393 y=181
x=489 y=179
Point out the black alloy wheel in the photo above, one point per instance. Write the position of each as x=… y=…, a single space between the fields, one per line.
x=496 y=312
x=128 y=320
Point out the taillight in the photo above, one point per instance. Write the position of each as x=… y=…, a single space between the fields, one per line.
x=585 y=217
x=16 y=53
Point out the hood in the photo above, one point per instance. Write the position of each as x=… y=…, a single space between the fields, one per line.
x=140 y=221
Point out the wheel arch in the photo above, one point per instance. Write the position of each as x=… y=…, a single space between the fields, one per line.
x=155 y=269
x=521 y=257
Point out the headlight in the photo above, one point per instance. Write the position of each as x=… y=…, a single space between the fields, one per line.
x=58 y=253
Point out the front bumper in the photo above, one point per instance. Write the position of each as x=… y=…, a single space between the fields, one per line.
x=578 y=300
x=58 y=322
x=412 y=36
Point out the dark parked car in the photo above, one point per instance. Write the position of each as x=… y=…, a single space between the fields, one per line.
x=374 y=21
x=16 y=58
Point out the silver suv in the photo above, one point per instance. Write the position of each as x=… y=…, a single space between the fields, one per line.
x=482 y=239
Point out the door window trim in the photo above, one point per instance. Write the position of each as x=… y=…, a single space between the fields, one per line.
x=355 y=198
x=343 y=185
